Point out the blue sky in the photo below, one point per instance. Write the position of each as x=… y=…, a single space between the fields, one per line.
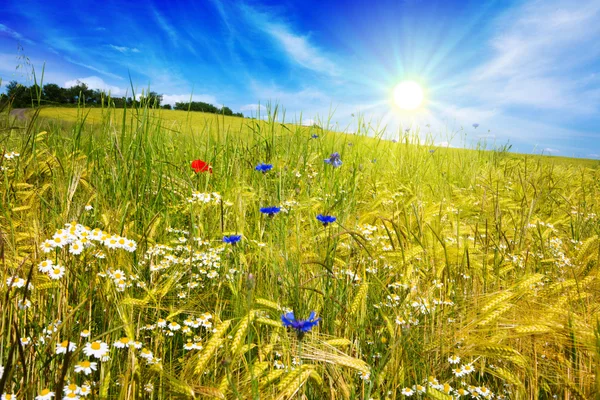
x=528 y=72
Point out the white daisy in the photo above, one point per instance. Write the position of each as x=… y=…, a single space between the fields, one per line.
x=45 y=394
x=71 y=388
x=57 y=272
x=85 y=390
x=76 y=247
x=15 y=281
x=85 y=333
x=45 y=266
x=407 y=392
x=62 y=347
x=174 y=326
x=122 y=343
x=86 y=367
x=454 y=359
x=88 y=207
x=96 y=349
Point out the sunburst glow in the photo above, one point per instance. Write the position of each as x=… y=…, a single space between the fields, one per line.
x=408 y=95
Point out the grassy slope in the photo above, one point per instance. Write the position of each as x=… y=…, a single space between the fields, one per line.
x=508 y=242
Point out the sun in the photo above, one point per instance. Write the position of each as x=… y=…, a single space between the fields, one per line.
x=408 y=95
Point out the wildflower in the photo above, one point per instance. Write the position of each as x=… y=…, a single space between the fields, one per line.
x=85 y=390
x=264 y=167
x=475 y=126
x=63 y=347
x=301 y=326
x=45 y=266
x=122 y=343
x=85 y=333
x=270 y=211
x=96 y=349
x=467 y=369
x=201 y=166
x=76 y=247
x=407 y=392
x=72 y=388
x=326 y=219
x=334 y=159
x=136 y=345
x=45 y=394
x=314 y=136
x=454 y=359
x=57 y=272
x=71 y=396
x=15 y=281
x=24 y=304
x=147 y=354
x=86 y=367
x=174 y=326
x=25 y=341
x=148 y=387
x=7 y=396
x=233 y=239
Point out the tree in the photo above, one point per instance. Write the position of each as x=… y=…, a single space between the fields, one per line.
x=166 y=107
x=54 y=93
x=225 y=111
x=20 y=95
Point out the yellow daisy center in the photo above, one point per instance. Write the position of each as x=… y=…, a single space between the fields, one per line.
x=96 y=346
x=85 y=364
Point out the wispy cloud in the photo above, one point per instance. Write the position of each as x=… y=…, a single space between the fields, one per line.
x=535 y=51
x=297 y=47
x=94 y=82
x=14 y=34
x=124 y=49
x=91 y=67
x=166 y=27
x=184 y=98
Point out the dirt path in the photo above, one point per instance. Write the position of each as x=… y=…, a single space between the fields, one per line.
x=20 y=113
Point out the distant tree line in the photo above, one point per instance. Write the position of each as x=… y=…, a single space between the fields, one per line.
x=22 y=96
x=207 y=108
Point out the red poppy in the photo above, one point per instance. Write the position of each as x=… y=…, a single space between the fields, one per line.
x=201 y=166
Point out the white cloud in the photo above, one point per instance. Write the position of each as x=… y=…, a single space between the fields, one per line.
x=14 y=34
x=297 y=47
x=535 y=51
x=166 y=27
x=252 y=107
x=550 y=150
x=184 y=98
x=94 y=82
x=91 y=67
x=301 y=50
x=124 y=49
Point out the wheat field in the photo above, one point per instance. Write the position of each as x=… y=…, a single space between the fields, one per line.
x=448 y=273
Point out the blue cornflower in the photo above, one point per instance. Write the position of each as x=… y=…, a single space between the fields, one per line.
x=264 y=167
x=301 y=326
x=334 y=159
x=270 y=211
x=233 y=239
x=314 y=136
x=475 y=126
x=326 y=219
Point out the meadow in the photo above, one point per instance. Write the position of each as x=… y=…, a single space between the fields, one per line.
x=447 y=273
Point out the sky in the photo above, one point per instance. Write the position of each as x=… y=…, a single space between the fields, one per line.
x=527 y=72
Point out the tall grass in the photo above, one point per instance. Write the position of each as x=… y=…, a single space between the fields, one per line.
x=437 y=254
